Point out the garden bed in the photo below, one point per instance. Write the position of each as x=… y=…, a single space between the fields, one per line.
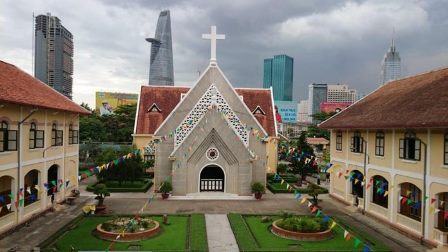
x=277 y=187
x=182 y=233
x=110 y=230
x=114 y=186
x=252 y=234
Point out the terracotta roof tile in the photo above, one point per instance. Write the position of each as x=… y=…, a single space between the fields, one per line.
x=167 y=97
x=419 y=101
x=18 y=87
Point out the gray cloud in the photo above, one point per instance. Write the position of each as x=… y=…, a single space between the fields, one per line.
x=331 y=41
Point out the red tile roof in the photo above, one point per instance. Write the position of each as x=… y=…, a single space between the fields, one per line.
x=18 y=87
x=317 y=140
x=167 y=97
x=419 y=101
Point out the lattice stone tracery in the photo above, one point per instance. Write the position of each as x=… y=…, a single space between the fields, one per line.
x=212 y=97
x=150 y=149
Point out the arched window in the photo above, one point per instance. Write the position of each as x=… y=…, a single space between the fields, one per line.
x=3 y=136
x=357 y=142
x=379 y=144
x=31 y=180
x=72 y=135
x=445 y=150
x=356 y=178
x=56 y=135
x=410 y=204
x=410 y=146
x=8 y=138
x=379 y=189
x=339 y=140
x=6 y=185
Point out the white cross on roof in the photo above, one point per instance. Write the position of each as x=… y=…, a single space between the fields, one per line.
x=213 y=37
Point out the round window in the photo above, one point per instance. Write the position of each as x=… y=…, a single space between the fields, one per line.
x=212 y=154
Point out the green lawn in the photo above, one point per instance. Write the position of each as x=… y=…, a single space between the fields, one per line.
x=253 y=235
x=198 y=234
x=172 y=237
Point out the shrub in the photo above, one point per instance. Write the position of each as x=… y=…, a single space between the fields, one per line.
x=258 y=187
x=166 y=187
x=304 y=224
x=282 y=168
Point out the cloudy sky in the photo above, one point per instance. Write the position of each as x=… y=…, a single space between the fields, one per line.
x=331 y=41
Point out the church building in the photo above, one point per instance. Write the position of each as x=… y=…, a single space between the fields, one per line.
x=208 y=137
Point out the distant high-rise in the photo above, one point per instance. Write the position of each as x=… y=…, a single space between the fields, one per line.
x=161 y=62
x=317 y=93
x=278 y=73
x=340 y=93
x=53 y=61
x=391 y=65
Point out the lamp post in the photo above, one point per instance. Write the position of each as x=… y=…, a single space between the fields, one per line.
x=424 y=191
x=364 y=142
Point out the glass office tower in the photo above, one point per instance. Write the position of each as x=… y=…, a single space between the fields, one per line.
x=278 y=73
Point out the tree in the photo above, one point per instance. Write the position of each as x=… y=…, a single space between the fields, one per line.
x=101 y=192
x=314 y=131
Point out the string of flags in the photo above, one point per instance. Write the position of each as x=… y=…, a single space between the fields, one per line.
x=97 y=169
x=33 y=193
x=326 y=218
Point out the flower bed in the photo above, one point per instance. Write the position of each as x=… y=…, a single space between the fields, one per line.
x=137 y=186
x=128 y=229
x=302 y=228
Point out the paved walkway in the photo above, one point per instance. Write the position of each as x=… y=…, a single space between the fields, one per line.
x=219 y=233
x=29 y=237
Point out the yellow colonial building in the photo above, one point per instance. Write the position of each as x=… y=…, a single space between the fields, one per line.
x=38 y=146
x=390 y=155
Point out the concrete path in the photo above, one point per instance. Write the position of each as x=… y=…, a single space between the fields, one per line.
x=219 y=233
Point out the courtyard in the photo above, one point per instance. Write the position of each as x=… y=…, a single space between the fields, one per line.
x=187 y=230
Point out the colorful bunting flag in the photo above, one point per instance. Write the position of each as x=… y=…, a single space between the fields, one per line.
x=298 y=195
x=303 y=200
x=357 y=242
x=326 y=218
x=333 y=225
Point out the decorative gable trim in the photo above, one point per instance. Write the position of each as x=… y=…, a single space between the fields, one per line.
x=211 y=98
x=213 y=139
x=154 y=108
x=258 y=111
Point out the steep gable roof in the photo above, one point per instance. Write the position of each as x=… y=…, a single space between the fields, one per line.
x=419 y=101
x=167 y=97
x=18 y=87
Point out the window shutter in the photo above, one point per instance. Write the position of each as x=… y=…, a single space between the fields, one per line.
x=12 y=140
x=39 y=139
x=418 y=146
x=361 y=145
x=401 y=148
x=352 y=145
x=2 y=140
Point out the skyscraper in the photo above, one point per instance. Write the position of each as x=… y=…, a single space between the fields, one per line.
x=391 y=65
x=53 y=61
x=161 y=62
x=278 y=73
x=317 y=93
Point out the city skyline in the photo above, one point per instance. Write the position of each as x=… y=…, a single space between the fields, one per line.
x=111 y=54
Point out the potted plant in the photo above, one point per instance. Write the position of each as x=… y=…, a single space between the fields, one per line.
x=101 y=192
x=258 y=189
x=165 y=188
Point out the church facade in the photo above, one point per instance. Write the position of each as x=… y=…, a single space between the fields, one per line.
x=210 y=137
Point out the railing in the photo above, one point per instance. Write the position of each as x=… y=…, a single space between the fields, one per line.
x=212 y=185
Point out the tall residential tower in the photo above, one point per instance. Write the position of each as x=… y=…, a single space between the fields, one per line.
x=53 y=61
x=161 y=62
x=278 y=73
x=391 y=65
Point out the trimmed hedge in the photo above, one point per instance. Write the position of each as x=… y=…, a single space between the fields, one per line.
x=113 y=186
x=290 y=178
x=277 y=187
